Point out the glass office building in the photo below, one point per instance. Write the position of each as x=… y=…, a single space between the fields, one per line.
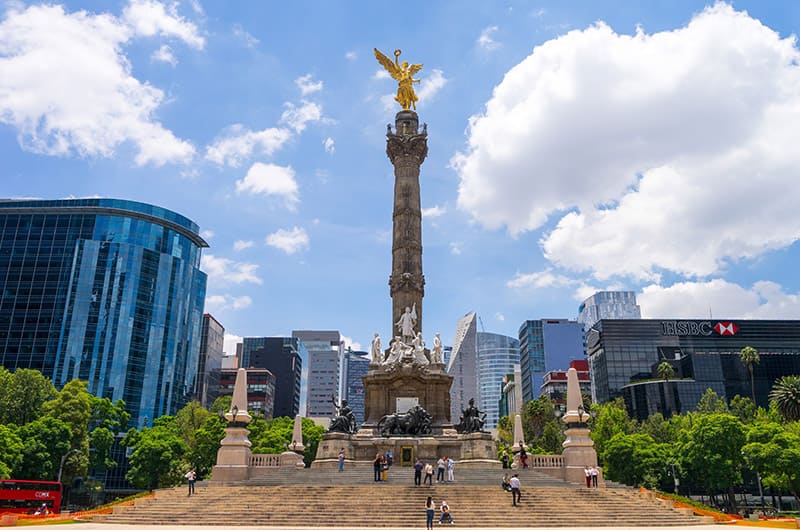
x=107 y=291
x=624 y=355
x=497 y=357
x=610 y=305
x=545 y=345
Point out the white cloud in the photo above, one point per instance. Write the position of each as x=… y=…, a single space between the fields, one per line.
x=485 y=39
x=164 y=55
x=229 y=343
x=433 y=211
x=307 y=85
x=289 y=241
x=237 y=144
x=241 y=245
x=330 y=148
x=430 y=85
x=222 y=302
x=351 y=56
x=270 y=179
x=675 y=150
x=246 y=38
x=224 y=270
x=539 y=280
x=720 y=298
x=381 y=74
x=149 y=18
x=207 y=234
x=297 y=117
x=356 y=346
x=455 y=248
x=67 y=88
x=500 y=316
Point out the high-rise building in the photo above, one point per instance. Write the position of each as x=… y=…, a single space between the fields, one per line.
x=624 y=356
x=325 y=350
x=554 y=385
x=354 y=367
x=260 y=389
x=212 y=338
x=497 y=356
x=463 y=365
x=107 y=291
x=544 y=345
x=613 y=305
x=285 y=358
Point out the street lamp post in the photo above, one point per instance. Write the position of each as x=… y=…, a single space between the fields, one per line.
x=675 y=477
x=63 y=459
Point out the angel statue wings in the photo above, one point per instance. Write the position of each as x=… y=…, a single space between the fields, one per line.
x=403 y=73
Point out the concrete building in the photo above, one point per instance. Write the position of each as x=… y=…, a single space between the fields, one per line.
x=463 y=365
x=544 y=345
x=325 y=351
x=511 y=393
x=354 y=367
x=285 y=358
x=554 y=384
x=107 y=291
x=611 y=305
x=624 y=356
x=260 y=389
x=212 y=337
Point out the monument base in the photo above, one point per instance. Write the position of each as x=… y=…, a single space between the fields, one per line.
x=233 y=456
x=578 y=453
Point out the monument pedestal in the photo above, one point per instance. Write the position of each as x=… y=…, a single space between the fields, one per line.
x=233 y=456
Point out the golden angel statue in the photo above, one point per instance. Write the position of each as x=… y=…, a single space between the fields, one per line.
x=404 y=75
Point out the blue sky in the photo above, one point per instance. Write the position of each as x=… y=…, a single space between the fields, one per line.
x=573 y=147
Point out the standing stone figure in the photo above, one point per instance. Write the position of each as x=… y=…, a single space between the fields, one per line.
x=436 y=352
x=419 y=349
x=406 y=323
x=377 y=354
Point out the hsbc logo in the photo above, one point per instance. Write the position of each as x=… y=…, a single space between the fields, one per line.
x=726 y=328
x=704 y=328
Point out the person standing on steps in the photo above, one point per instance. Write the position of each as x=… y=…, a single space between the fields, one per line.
x=428 y=474
x=191 y=475
x=418 y=472
x=341 y=459
x=450 y=469
x=523 y=455
x=429 y=511
x=376 y=467
x=595 y=472
x=440 y=467
x=504 y=459
x=588 y=473
x=516 y=494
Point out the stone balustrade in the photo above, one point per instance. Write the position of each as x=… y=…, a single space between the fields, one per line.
x=545 y=461
x=264 y=460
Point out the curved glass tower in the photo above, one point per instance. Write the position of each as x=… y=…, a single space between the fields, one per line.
x=107 y=291
x=497 y=355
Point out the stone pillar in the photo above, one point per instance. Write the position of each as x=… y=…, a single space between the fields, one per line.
x=407 y=149
x=233 y=457
x=578 y=449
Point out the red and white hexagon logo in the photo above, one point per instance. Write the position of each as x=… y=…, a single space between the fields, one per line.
x=726 y=328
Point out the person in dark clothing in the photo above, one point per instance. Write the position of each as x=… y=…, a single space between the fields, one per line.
x=418 y=472
x=376 y=467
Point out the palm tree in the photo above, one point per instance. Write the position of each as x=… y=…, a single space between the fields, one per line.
x=786 y=396
x=666 y=372
x=749 y=356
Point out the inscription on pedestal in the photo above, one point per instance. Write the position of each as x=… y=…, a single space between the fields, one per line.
x=404 y=404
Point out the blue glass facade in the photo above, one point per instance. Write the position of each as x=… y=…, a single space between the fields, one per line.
x=497 y=355
x=545 y=345
x=104 y=290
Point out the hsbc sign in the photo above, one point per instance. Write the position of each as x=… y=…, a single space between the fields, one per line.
x=702 y=328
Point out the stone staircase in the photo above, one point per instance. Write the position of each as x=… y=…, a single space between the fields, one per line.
x=327 y=498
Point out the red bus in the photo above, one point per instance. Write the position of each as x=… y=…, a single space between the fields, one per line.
x=29 y=496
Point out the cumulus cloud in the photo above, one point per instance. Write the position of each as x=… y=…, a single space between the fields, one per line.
x=349 y=342
x=485 y=39
x=149 y=18
x=430 y=85
x=666 y=151
x=270 y=179
x=296 y=117
x=433 y=211
x=67 y=87
x=307 y=85
x=241 y=245
x=289 y=241
x=229 y=343
x=381 y=74
x=223 y=302
x=541 y=279
x=164 y=55
x=224 y=270
x=455 y=248
x=720 y=298
x=330 y=148
x=207 y=234
x=238 y=143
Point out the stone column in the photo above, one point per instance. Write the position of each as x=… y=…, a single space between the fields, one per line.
x=407 y=149
x=233 y=457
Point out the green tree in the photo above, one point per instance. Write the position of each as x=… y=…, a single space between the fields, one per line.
x=101 y=441
x=743 y=408
x=505 y=431
x=552 y=437
x=535 y=415
x=661 y=430
x=711 y=453
x=157 y=457
x=22 y=395
x=10 y=451
x=711 y=403
x=45 y=441
x=72 y=405
x=108 y=414
x=188 y=420
x=636 y=460
x=749 y=357
x=207 y=439
x=221 y=405
x=774 y=452
x=610 y=418
x=666 y=372
x=785 y=396
x=276 y=435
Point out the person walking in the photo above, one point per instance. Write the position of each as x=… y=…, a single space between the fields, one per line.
x=376 y=467
x=440 y=467
x=428 y=474
x=504 y=459
x=429 y=511
x=450 y=470
x=418 y=472
x=516 y=494
x=523 y=455
x=341 y=459
x=594 y=472
x=191 y=475
x=588 y=473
